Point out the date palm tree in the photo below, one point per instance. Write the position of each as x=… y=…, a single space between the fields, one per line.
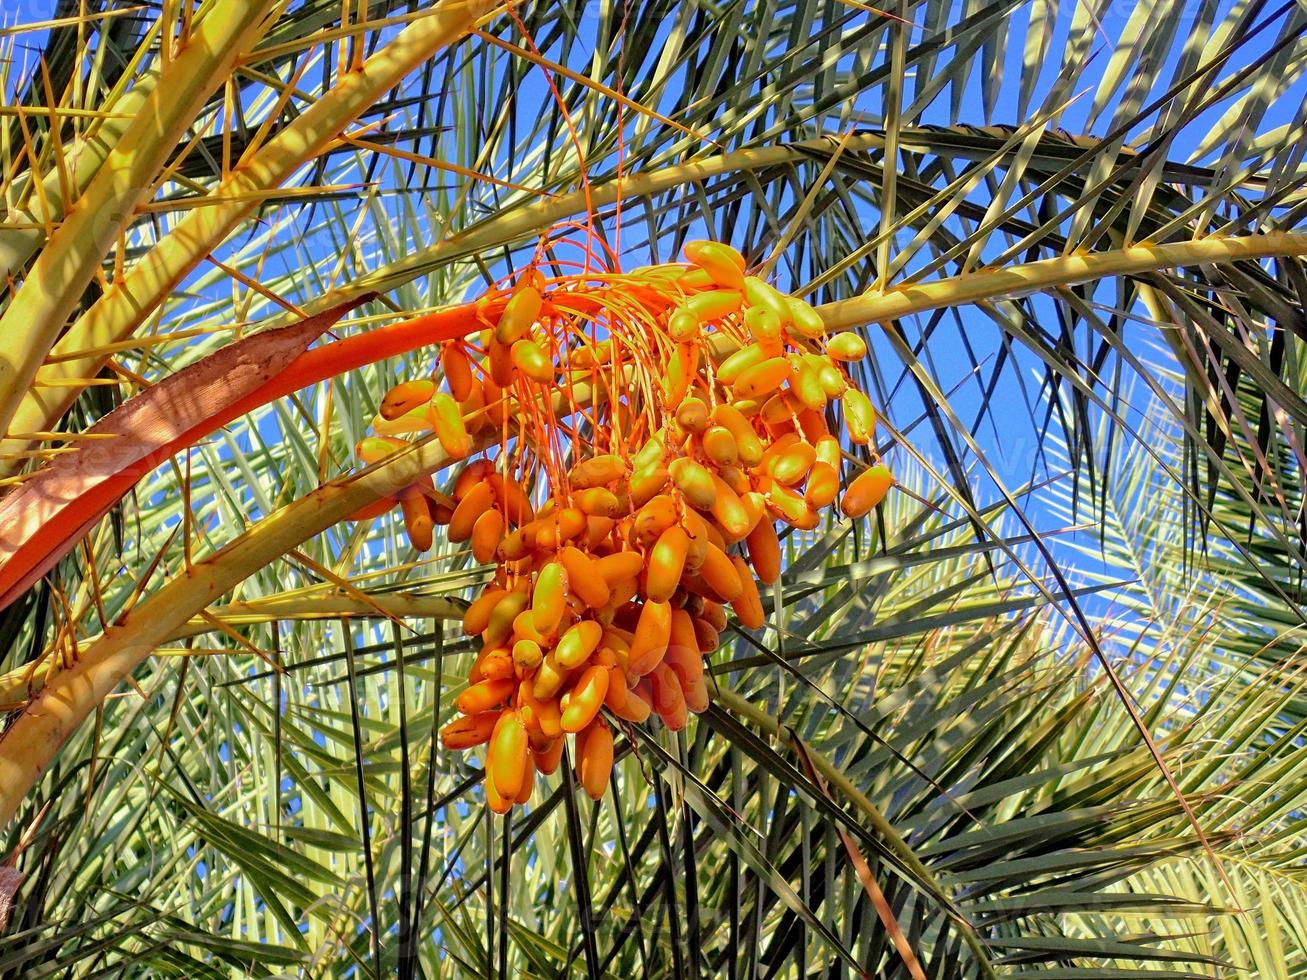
x=1041 y=713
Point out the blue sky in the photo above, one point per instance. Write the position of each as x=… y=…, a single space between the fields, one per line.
x=990 y=96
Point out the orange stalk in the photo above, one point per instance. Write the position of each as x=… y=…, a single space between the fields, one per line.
x=78 y=499
x=349 y=354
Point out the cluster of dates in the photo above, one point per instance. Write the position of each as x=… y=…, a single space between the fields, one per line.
x=638 y=472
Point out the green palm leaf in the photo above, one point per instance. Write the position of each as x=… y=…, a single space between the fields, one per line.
x=1107 y=460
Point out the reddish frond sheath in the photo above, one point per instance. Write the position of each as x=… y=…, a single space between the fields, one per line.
x=44 y=518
